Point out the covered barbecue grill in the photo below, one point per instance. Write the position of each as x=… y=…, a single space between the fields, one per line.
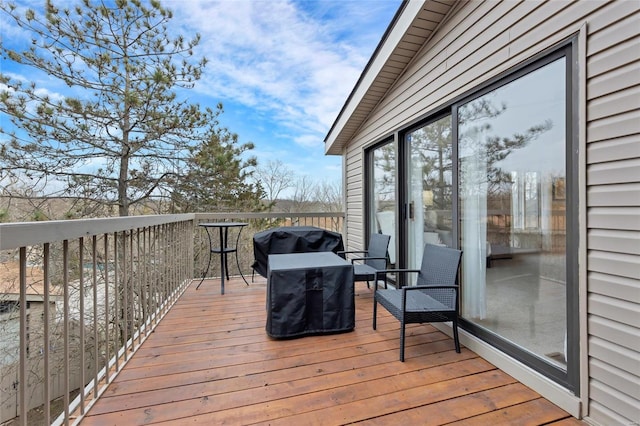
x=292 y=239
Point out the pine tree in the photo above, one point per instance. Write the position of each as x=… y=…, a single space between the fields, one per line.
x=218 y=178
x=123 y=135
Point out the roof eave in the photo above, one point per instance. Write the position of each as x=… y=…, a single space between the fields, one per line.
x=345 y=125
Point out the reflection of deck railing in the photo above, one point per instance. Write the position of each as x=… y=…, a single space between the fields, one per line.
x=79 y=297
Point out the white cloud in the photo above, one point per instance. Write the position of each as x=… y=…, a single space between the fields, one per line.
x=293 y=63
x=44 y=92
x=307 y=140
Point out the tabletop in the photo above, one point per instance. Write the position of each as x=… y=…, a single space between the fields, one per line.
x=222 y=224
x=291 y=261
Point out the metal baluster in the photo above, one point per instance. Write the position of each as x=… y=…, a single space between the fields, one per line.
x=116 y=298
x=47 y=338
x=81 y=343
x=22 y=380
x=66 y=369
x=94 y=255
x=107 y=339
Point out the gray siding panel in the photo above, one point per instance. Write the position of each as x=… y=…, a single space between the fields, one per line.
x=614 y=172
x=616 y=401
x=615 y=355
x=614 y=241
x=610 y=14
x=618 y=310
x=615 y=103
x=619 y=195
x=547 y=21
x=599 y=414
x=615 y=57
x=612 y=150
x=354 y=193
x=615 y=126
x=611 y=35
x=606 y=373
x=615 y=332
x=617 y=287
x=623 y=265
x=623 y=218
x=617 y=80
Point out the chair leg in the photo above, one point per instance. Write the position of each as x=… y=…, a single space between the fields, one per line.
x=375 y=310
x=455 y=335
x=402 y=333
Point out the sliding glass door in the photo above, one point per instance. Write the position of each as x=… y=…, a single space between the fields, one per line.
x=512 y=145
x=492 y=173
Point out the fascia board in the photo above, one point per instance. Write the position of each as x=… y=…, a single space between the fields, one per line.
x=401 y=27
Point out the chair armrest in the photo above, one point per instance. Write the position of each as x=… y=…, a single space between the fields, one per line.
x=388 y=271
x=423 y=287
x=343 y=253
x=367 y=258
x=351 y=251
x=397 y=271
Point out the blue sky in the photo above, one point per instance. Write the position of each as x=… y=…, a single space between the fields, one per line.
x=282 y=69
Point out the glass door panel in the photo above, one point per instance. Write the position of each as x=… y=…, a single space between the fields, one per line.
x=383 y=194
x=512 y=170
x=429 y=188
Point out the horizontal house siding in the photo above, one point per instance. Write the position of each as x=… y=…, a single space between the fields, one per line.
x=354 y=195
x=479 y=40
x=613 y=221
x=614 y=218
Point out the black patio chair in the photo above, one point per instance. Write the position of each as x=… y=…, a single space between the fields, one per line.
x=371 y=261
x=434 y=298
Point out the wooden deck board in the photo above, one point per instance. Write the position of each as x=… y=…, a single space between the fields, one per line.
x=209 y=361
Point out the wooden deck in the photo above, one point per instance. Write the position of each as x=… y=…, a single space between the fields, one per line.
x=210 y=362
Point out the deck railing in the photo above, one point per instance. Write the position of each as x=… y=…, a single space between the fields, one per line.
x=77 y=298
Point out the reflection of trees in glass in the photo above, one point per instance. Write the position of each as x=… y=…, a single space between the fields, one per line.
x=384 y=176
x=475 y=119
x=487 y=147
x=431 y=147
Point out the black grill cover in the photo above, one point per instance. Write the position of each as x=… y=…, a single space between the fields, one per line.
x=292 y=239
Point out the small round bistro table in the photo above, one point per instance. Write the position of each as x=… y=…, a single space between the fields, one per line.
x=223 y=250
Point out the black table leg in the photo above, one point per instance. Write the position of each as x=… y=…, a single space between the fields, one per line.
x=223 y=259
x=238 y=259
x=204 y=274
x=226 y=244
x=223 y=251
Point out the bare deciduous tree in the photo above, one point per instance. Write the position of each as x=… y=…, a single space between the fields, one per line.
x=304 y=189
x=274 y=177
x=329 y=196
